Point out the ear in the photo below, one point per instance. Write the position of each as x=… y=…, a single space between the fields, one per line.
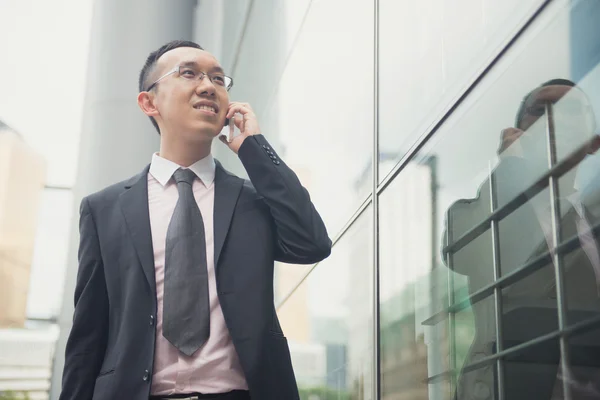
x=145 y=101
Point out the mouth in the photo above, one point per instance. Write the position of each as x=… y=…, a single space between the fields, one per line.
x=207 y=107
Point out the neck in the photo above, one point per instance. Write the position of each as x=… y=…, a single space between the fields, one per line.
x=182 y=153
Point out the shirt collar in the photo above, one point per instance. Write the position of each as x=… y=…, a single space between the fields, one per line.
x=162 y=169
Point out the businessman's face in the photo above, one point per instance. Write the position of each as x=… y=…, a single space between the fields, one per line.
x=188 y=106
x=572 y=110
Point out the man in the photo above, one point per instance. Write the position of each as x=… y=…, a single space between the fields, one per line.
x=529 y=305
x=174 y=295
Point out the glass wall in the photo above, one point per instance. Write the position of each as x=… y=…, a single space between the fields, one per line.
x=471 y=268
x=328 y=321
x=430 y=52
x=493 y=292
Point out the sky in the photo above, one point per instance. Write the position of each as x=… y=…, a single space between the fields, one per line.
x=42 y=80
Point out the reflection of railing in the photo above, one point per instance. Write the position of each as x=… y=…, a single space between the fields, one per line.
x=542 y=183
x=559 y=249
x=505 y=281
x=578 y=328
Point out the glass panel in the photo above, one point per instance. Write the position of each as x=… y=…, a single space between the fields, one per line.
x=583 y=375
x=328 y=321
x=406 y=254
x=495 y=147
x=322 y=112
x=430 y=51
x=51 y=254
x=414 y=295
x=534 y=369
x=576 y=116
x=477 y=384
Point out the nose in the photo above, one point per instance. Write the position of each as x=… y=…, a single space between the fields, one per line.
x=205 y=87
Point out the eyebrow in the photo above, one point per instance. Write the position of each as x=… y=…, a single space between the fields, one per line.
x=195 y=64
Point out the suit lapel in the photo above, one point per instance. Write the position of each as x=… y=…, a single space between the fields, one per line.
x=134 y=204
x=227 y=191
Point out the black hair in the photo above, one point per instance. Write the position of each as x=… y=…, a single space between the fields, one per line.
x=150 y=64
x=521 y=110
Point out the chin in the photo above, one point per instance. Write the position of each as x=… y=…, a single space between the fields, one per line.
x=204 y=131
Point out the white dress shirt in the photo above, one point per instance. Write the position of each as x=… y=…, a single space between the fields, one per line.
x=215 y=367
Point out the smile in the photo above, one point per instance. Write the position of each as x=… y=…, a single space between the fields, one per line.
x=203 y=107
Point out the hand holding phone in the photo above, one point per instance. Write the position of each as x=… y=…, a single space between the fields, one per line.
x=246 y=124
x=228 y=131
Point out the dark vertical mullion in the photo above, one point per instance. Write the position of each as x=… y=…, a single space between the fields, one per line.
x=557 y=258
x=451 y=316
x=497 y=290
x=375 y=165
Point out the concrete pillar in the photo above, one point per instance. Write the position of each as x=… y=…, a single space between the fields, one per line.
x=117 y=140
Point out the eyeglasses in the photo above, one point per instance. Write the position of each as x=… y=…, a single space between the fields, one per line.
x=190 y=74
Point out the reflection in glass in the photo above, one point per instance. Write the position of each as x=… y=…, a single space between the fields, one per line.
x=409 y=289
x=583 y=374
x=322 y=109
x=328 y=320
x=429 y=52
x=517 y=221
x=527 y=231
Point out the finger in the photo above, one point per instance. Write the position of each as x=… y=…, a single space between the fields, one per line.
x=239 y=122
x=238 y=103
x=237 y=107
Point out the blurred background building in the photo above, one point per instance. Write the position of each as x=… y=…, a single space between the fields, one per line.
x=26 y=347
x=389 y=111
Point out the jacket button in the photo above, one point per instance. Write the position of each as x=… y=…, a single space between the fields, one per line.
x=276 y=162
x=146 y=375
x=151 y=320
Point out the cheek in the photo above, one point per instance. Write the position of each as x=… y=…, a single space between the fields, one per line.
x=175 y=105
x=224 y=105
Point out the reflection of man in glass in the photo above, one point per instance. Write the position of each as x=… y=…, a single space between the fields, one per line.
x=529 y=306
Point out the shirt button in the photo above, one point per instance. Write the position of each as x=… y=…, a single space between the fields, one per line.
x=146 y=375
x=151 y=320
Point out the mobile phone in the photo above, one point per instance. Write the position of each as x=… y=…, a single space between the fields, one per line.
x=227 y=131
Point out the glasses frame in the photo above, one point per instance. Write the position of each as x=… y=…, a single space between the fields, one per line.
x=177 y=69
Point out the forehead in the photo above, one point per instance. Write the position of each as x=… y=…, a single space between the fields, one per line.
x=187 y=54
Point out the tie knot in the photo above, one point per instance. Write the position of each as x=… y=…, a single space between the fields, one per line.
x=184 y=175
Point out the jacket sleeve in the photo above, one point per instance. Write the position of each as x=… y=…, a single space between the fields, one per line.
x=301 y=236
x=87 y=341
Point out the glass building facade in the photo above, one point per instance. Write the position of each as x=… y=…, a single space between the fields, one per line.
x=451 y=150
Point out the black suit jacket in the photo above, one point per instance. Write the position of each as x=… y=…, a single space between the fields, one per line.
x=110 y=350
